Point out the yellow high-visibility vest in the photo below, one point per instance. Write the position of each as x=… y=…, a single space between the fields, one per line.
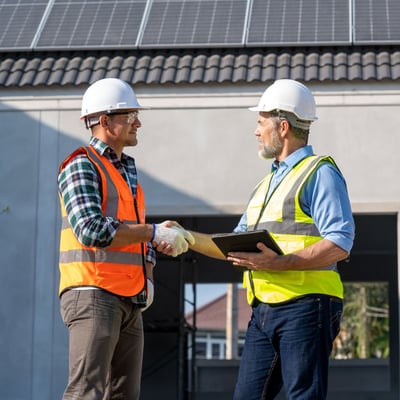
x=293 y=230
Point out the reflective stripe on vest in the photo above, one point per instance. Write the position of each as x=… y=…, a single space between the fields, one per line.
x=119 y=270
x=293 y=230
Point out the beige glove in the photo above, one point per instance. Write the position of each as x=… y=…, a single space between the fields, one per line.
x=174 y=237
x=186 y=234
x=149 y=295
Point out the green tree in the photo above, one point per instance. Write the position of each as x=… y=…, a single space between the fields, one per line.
x=365 y=326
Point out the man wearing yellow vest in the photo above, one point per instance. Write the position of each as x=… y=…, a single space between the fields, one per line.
x=296 y=298
x=106 y=254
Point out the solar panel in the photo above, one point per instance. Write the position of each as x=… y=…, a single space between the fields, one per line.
x=92 y=24
x=295 y=22
x=195 y=23
x=377 y=21
x=19 y=23
x=113 y=24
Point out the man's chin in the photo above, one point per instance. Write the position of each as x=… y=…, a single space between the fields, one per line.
x=264 y=156
x=133 y=143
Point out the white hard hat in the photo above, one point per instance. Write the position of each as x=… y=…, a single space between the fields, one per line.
x=291 y=96
x=108 y=95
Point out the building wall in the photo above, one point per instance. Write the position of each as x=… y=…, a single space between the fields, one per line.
x=196 y=144
x=197 y=155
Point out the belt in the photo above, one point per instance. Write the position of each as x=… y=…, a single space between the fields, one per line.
x=140 y=299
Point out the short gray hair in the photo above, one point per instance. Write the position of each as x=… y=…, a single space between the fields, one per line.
x=300 y=128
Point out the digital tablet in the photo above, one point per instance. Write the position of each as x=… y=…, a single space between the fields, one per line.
x=246 y=241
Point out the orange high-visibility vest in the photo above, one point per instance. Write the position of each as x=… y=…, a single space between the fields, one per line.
x=119 y=270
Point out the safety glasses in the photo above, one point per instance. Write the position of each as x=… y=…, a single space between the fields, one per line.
x=131 y=116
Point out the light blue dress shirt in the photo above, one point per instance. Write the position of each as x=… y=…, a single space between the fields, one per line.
x=324 y=198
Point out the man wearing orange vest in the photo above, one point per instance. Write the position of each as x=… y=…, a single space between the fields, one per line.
x=296 y=298
x=106 y=255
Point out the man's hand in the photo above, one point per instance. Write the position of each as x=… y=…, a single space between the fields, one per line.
x=266 y=259
x=186 y=234
x=170 y=239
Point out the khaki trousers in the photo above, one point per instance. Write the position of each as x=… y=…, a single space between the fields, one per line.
x=105 y=345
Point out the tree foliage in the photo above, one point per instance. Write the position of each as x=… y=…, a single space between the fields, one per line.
x=365 y=325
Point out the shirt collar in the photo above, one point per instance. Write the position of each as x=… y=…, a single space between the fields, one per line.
x=291 y=160
x=103 y=148
x=99 y=145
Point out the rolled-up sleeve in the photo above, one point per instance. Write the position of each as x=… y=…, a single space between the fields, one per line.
x=151 y=254
x=327 y=201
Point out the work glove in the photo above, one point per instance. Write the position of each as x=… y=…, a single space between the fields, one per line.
x=186 y=234
x=149 y=295
x=172 y=236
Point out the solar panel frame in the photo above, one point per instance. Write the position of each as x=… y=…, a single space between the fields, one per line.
x=195 y=23
x=377 y=22
x=19 y=23
x=311 y=23
x=77 y=24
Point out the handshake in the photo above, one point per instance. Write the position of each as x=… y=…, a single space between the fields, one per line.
x=171 y=238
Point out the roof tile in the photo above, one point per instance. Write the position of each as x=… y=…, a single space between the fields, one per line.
x=200 y=65
x=156 y=69
x=170 y=67
x=198 y=68
x=340 y=66
x=312 y=62
x=5 y=67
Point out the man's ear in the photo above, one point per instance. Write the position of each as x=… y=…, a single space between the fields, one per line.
x=103 y=120
x=285 y=127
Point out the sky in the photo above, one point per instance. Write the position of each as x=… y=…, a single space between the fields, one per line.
x=205 y=293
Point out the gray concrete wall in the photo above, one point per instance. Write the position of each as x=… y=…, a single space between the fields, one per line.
x=197 y=144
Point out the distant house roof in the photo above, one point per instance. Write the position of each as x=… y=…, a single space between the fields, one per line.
x=212 y=316
x=205 y=66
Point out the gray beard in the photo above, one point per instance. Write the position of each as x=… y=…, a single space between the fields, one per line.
x=266 y=153
x=272 y=151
